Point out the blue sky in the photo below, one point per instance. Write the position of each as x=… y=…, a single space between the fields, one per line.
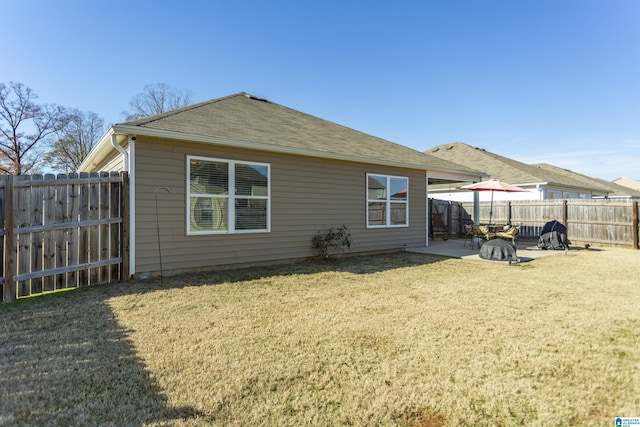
x=555 y=81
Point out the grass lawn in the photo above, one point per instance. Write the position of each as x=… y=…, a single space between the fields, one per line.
x=401 y=339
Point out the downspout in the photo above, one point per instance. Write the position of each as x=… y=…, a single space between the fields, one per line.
x=122 y=151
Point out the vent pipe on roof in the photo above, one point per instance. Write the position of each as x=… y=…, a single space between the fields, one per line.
x=125 y=154
x=256 y=98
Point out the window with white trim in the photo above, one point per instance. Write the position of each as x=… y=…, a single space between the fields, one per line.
x=387 y=201
x=213 y=208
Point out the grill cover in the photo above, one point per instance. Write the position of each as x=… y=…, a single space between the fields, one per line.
x=498 y=250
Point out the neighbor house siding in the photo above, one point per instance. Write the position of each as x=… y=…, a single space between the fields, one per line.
x=307 y=195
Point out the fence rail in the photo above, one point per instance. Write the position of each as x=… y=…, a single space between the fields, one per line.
x=606 y=222
x=62 y=231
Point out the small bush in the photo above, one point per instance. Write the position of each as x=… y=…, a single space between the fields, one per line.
x=336 y=239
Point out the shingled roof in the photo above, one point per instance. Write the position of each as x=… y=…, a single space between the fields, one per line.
x=244 y=117
x=509 y=170
x=614 y=189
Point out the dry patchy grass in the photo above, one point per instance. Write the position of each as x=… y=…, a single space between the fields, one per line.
x=403 y=339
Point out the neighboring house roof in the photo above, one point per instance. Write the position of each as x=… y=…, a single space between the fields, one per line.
x=628 y=182
x=243 y=120
x=614 y=190
x=509 y=170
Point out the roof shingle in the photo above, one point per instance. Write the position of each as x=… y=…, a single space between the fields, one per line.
x=509 y=170
x=244 y=117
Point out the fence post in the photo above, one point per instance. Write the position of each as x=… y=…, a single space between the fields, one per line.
x=449 y=219
x=634 y=231
x=565 y=212
x=9 y=242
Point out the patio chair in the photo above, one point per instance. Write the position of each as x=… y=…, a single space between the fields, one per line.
x=509 y=233
x=476 y=232
x=482 y=231
x=468 y=234
x=438 y=225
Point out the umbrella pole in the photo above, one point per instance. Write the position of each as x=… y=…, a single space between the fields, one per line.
x=491 y=208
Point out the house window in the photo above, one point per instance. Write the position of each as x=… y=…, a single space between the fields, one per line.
x=553 y=194
x=387 y=201
x=213 y=208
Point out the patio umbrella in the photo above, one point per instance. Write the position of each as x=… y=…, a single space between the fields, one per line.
x=492 y=185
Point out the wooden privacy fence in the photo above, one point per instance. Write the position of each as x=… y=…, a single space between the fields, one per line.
x=63 y=231
x=608 y=222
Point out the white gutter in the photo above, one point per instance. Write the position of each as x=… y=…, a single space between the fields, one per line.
x=125 y=154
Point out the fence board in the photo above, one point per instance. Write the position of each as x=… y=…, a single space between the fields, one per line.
x=103 y=213
x=115 y=231
x=3 y=195
x=60 y=229
x=23 y=217
x=94 y=230
x=9 y=286
x=73 y=246
x=83 y=233
x=636 y=225
x=76 y=267
x=60 y=216
x=49 y=243
x=36 y=238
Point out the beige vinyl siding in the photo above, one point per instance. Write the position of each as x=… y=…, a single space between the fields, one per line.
x=112 y=163
x=307 y=195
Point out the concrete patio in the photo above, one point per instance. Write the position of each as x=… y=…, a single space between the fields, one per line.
x=456 y=248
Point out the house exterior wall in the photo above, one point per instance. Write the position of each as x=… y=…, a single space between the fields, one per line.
x=112 y=163
x=307 y=195
x=628 y=182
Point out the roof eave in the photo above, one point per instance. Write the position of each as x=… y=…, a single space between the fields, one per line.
x=98 y=152
x=104 y=147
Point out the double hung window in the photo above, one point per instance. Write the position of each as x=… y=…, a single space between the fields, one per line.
x=387 y=201
x=227 y=196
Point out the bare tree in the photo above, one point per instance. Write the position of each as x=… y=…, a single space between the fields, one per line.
x=23 y=126
x=75 y=140
x=156 y=99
